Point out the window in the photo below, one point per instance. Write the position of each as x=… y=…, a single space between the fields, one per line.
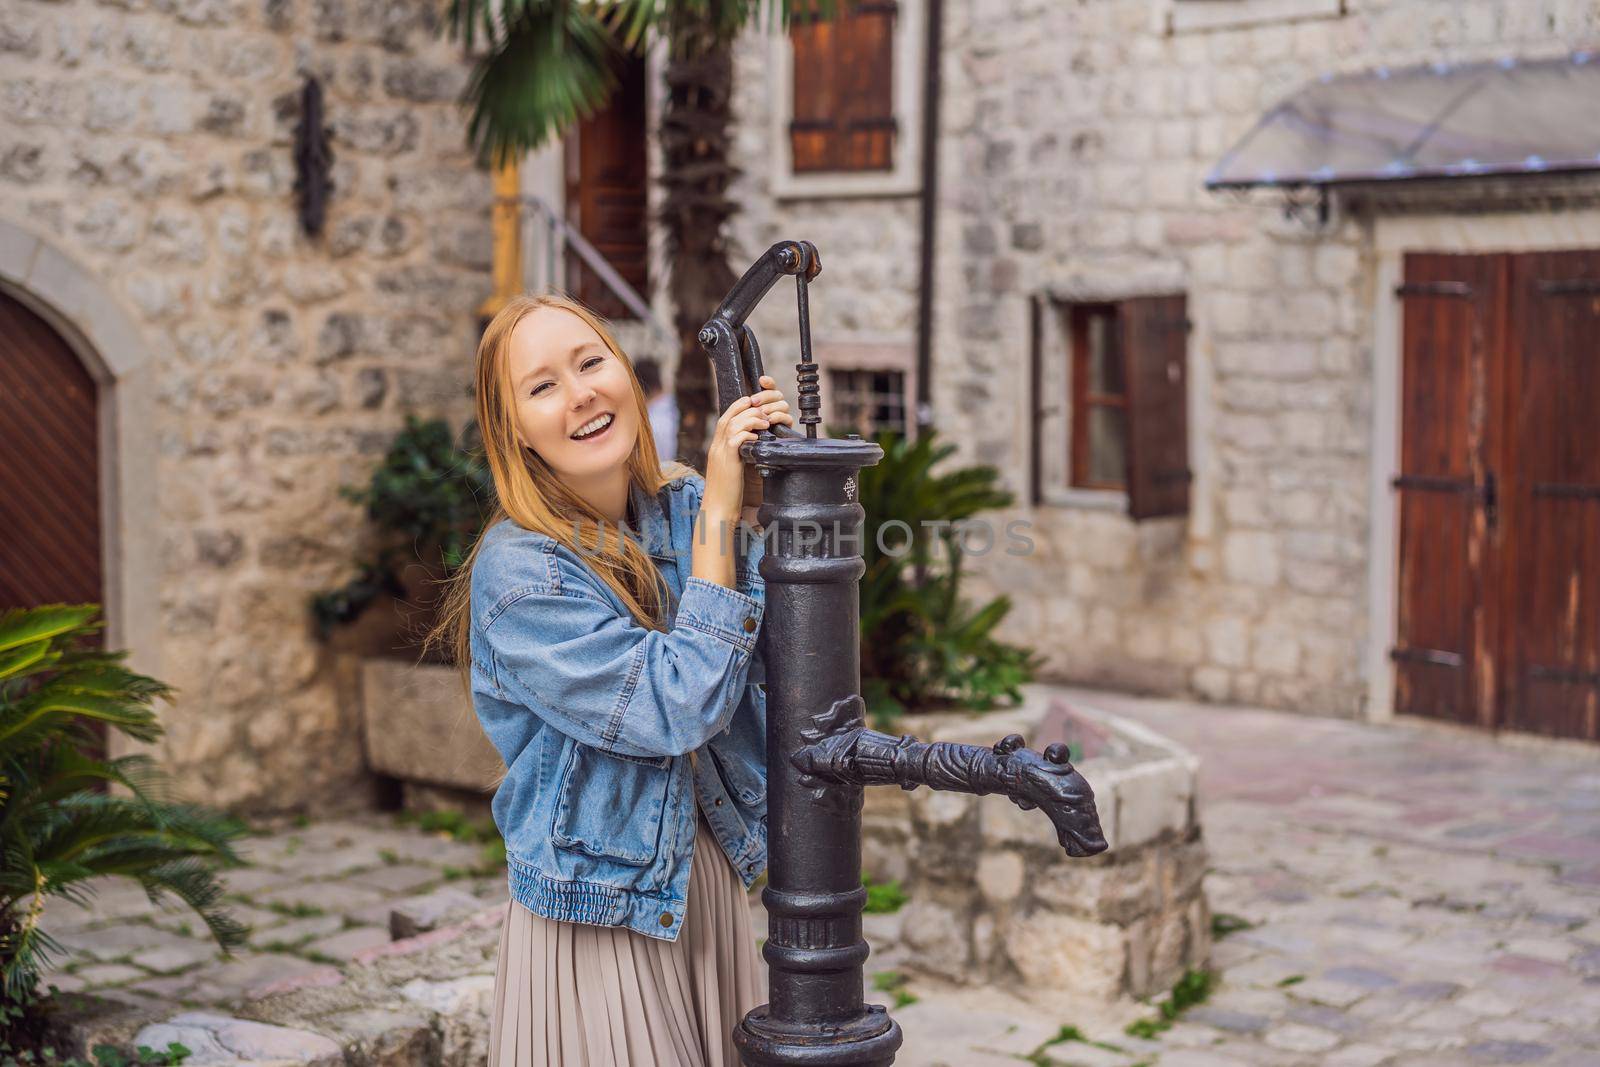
x=1099 y=399
x=843 y=103
x=868 y=385
x=1123 y=425
x=868 y=401
x=846 y=115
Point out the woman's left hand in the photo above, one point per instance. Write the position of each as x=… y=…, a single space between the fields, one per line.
x=777 y=411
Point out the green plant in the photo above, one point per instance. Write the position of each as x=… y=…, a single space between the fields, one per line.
x=1193 y=988
x=894 y=983
x=427 y=500
x=883 y=897
x=922 y=645
x=1223 y=924
x=105 y=1056
x=60 y=828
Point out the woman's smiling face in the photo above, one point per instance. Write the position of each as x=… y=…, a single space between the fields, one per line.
x=575 y=401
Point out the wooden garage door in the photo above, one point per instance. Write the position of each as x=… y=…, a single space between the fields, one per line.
x=1499 y=492
x=49 y=467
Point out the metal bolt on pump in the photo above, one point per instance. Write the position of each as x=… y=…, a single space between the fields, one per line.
x=820 y=754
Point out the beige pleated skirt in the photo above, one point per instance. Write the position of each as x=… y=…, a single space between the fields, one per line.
x=571 y=995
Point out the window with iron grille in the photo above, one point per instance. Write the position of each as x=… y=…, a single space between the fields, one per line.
x=867 y=401
x=843 y=105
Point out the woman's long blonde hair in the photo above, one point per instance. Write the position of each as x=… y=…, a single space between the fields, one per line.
x=531 y=495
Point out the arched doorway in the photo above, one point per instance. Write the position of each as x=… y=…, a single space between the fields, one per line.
x=50 y=477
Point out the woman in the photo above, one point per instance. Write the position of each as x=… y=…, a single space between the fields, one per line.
x=618 y=677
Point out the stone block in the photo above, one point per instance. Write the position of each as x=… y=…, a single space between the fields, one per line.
x=940 y=937
x=419 y=726
x=1154 y=800
x=397 y=878
x=1000 y=876
x=297 y=931
x=420 y=914
x=1063 y=954
x=219 y=1039
x=379 y=1038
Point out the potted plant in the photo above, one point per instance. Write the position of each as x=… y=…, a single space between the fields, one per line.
x=923 y=647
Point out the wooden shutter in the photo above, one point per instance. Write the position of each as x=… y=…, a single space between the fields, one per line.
x=1155 y=346
x=844 y=90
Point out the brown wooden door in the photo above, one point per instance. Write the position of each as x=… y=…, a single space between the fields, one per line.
x=607 y=193
x=1499 y=492
x=1551 y=495
x=1444 y=667
x=49 y=467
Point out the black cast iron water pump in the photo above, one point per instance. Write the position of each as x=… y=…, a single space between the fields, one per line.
x=820 y=754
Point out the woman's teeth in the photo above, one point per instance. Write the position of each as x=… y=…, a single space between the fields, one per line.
x=592 y=427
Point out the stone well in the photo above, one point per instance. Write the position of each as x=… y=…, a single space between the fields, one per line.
x=995 y=901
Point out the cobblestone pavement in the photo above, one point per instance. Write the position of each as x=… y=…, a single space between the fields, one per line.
x=314 y=896
x=1415 y=895
x=1406 y=896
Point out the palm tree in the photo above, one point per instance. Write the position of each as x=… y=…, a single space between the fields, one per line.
x=545 y=64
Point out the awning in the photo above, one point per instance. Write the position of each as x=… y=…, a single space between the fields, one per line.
x=1439 y=121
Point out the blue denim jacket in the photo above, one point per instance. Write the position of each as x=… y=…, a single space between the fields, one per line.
x=595 y=716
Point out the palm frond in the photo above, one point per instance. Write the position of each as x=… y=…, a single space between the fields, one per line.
x=546 y=70
x=23 y=626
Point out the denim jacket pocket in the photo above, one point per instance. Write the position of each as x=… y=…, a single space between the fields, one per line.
x=741 y=750
x=611 y=805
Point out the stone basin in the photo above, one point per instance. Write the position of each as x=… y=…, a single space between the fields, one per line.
x=995 y=901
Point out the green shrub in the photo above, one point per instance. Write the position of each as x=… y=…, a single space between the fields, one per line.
x=60 y=829
x=427 y=499
x=922 y=645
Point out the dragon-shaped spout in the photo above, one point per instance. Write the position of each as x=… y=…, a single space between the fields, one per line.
x=841 y=750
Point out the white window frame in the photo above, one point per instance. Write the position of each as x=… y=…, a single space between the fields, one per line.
x=910 y=38
x=1198 y=16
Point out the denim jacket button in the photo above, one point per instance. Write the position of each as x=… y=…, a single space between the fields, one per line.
x=718 y=802
x=666 y=918
x=749 y=626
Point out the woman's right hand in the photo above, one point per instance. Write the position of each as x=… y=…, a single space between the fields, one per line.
x=724 y=492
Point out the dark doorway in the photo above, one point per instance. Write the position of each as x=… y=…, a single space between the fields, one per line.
x=607 y=187
x=50 y=477
x=1499 y=492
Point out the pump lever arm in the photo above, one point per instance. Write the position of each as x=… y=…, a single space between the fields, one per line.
x=731 y=345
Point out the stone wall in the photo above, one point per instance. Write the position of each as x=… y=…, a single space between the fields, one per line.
x=151 y=142
x=1074 y=141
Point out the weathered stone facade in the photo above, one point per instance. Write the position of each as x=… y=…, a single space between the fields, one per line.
x=151 y=144
x=1074 y=140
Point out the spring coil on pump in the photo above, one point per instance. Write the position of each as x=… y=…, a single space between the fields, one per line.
x=806 y=375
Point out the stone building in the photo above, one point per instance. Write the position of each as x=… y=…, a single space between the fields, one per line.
x=1074 y=142
x=151 y=253
x=229 y=372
